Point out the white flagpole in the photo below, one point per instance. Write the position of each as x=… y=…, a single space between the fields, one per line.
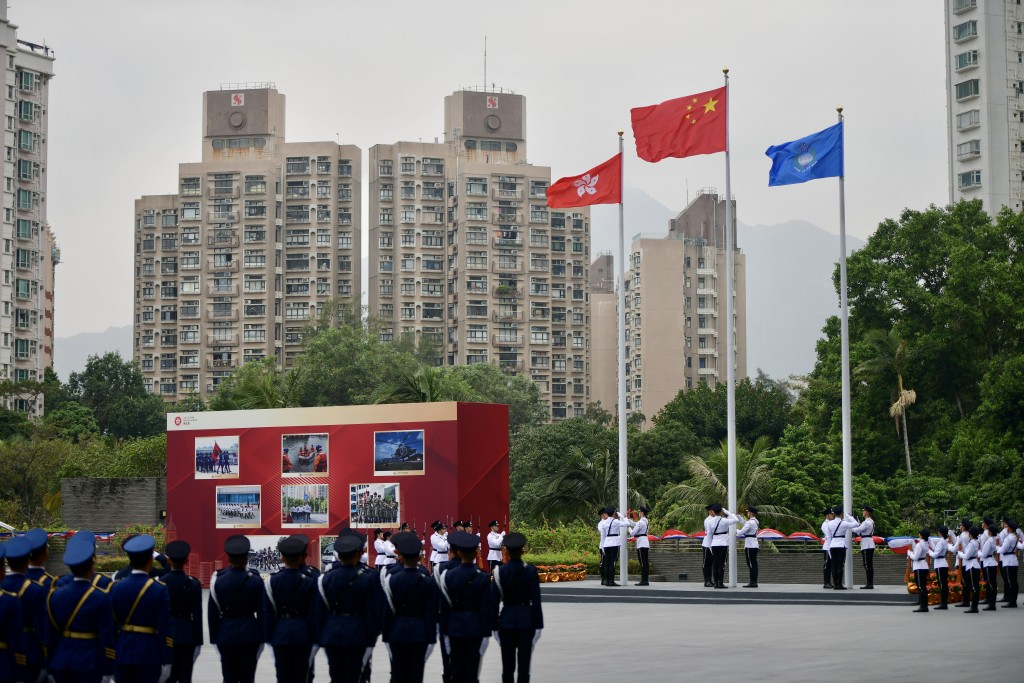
x=621 y=268
x=730 y=354
x=845 y=346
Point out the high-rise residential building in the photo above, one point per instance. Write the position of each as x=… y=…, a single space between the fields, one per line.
x=30 y=252
x=984 y=86
x=604 y=353
x=675 y=310
x=466 y=255
x=261 y=237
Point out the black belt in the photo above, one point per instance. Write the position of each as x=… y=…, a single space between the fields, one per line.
x=518 y=604
x=719 y=533
x=346 y=614
x=292 y=616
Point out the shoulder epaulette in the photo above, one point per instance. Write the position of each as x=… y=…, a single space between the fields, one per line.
x=254 y=572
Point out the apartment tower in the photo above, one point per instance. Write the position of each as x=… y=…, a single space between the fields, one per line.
x=260 y=237
x=30 y=252
x=984 y=86
x=466 y=256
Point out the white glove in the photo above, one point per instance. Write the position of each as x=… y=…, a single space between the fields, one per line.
x=312 y=654
x=367 y=655
x=44 y=677
x=430 y=648
x=497 y=638
x=484 y=642
x=105 y=679
x=195 y=653
x=165 y=673
x=259 y=652
x=536 y=636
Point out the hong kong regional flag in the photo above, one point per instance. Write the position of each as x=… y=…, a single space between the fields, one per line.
x=683 y=127
x=600 y=185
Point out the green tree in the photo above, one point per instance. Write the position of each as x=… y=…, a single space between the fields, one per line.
x=489 y=384
x=114 y=390
x=71 y=421
x=54 y=392
x=28 y=472
x=890 y=356
x=13 y=424
x=580 y=484
x=426 y=384
x=257 y=385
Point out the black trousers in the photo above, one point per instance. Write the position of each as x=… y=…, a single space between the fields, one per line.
x=708 y=565
x=407 y=660
x=921 y=579
x=972 y=583
x=827 y=568
x=1012 y=585
x=516 y=652
x=465 y=659
x=608 y=557
x=76 y=676
x=291 y=662
x=838 y=565
x=137 y=673
x=718 y=552
x=645 y=563
x=238 y=662
x=751 y=555
x=494 y=563
x=991 y=585
x=868 y=557
x=942 y=576
x=345 y=664
x=1002 y=575
x=181 y=664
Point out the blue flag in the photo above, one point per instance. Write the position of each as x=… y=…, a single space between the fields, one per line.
x=819 y=155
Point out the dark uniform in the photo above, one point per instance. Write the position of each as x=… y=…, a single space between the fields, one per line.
x=465 y=616
x=516 y=593
x=142 y=615
x=39 y=540
x=186 y=595
x=288 y=616
x=80 y=624
x=32 y=599
x=410 y=615
x=12 y=637
x=348 y=612
x=101 y=581
x=235 y=615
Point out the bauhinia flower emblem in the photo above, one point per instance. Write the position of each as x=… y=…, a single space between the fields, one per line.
x=586 y=184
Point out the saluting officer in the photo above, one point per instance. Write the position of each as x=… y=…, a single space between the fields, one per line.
x=186 y=595
x=32 y=597
x=288 y=614
x=410 y=613
x=465 y=622
x=866 y=531
x=835 y=534
x=439 y=543
x=643 y=545
x=142 y=615
x=717 y=527
x=12 y=638
x=918 y=556
x=827 y=562
x=235 y=613
x=517 y=615
x=1009 y=555
x=751 y=546
x=80 y=621
x=348 y=611
x=494 y=541
x=38 y=555
x=707 y=565
x=612 y=541
x=938 y=549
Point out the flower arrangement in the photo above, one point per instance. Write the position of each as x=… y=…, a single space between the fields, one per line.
x=561 y=572
x=956 y=587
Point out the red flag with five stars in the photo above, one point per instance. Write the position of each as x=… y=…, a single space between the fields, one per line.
x=683 y=127
x=600 y=185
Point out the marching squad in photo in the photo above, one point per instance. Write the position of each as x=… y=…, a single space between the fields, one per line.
x=373 y=505
x=304 y=505
x=217 y=457
x=238 y=507
x=398 y=452
x=264 y=555
x=304 y=455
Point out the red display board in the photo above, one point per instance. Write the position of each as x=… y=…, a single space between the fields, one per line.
x=270 y=473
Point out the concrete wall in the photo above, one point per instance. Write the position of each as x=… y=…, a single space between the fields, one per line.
x=777 y=567
x=109 y=504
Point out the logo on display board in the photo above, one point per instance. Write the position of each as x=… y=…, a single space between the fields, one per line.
x=238 y=99
x=492 y=102
x=177 y=421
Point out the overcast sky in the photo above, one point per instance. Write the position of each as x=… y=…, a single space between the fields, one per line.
x=125 y=106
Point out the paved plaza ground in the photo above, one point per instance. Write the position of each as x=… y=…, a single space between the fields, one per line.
x=729 y=641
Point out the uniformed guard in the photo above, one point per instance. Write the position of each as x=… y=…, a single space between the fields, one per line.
x=13 y=660
x=465 y=621
x=517 y=615
x=707 y=564
x=958 y=545
x=186 y=595
x=972 y=570
x=142 y=615
x=80 y=622
x=235 y=613
x=989 y=565
x=289 y=614
x=439 y=543
x=866 y=531
x=155 y=573
x=494 y=543
x=602 y=533
x=410 y=613
x=827 y=561
x=1010 y=562
x=348 y=610
x=32 y=598
x=717 y=527
x=643 y=545
x=751 y=546
x=38 y=556
x=938 y=549
x=835 y=536
x=612 y=541
x=918 y=557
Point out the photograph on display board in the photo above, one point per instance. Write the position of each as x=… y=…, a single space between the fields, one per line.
x=373 y=505
x=304 y=455
x=216 y=457
x=264 y=556
x=326 y=552
x=238 y=507
x=397 y=453
x=304 y=505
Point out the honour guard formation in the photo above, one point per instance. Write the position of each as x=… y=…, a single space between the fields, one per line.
x=147 y=626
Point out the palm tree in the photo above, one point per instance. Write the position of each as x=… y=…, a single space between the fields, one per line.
x=426 y=384
x=708 y=484
x=582 y=484
x=890 y=356
x=261 y=385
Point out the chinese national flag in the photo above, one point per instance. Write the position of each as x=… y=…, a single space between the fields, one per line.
x=600 y=185
x=683 y=127
x=216 y=450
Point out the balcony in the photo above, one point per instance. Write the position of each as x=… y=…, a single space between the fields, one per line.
x=703 y=291
x=707 y=371
x=221 y=364
x=507 y=292
x=222 y=192
x=222 y=216
x=708 y=351
x=512 y=195
x=497 y=267
x=506 y=317
x=229 y=267
x=507 y=340
x=222 y=316
x=225 y=341
x=708 y=311
x=510 y=367
x=709 y=331
x=512 y=218
x=707 y=271
x=222 y=290
x=222 y=240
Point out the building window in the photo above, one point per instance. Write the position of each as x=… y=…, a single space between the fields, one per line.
x=965 y=60
x=968 y=150
x=964 y=5
x=968 y=89
x=968 y=180
x=965 y=31
x=385 y=167
x=190 y=187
